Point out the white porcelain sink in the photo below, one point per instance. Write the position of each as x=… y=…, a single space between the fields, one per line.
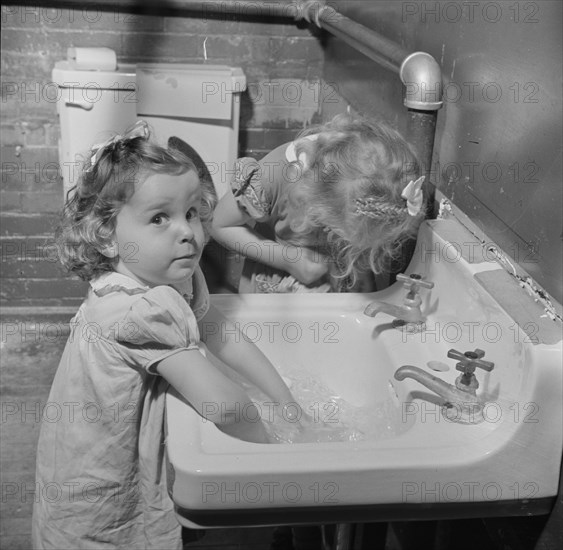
x=405 y=458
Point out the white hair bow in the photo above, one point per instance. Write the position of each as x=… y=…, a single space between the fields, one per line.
x=139 y=129
x=412 y=193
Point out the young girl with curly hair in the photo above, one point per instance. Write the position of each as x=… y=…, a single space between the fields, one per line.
x=324 y=213
x=134 y=228
x=321 y=212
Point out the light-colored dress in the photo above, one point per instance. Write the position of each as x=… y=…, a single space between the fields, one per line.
x=260 y=189
x=101 y=465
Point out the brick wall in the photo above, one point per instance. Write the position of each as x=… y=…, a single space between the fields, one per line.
x=283 y=66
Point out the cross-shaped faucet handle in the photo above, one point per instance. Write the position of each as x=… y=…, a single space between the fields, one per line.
x=470 y=360
x=414 y=282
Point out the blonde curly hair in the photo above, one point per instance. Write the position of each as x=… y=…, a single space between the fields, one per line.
x=350 y=163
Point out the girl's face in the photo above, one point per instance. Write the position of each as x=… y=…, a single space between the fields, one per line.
x=159 y=238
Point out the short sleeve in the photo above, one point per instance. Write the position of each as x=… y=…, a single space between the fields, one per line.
x=248 y=189
x=158 y=324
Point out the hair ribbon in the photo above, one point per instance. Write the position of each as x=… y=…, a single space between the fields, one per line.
x=412 y=193
x=139 y=129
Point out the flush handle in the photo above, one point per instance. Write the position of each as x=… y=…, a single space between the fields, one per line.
x=86 y=105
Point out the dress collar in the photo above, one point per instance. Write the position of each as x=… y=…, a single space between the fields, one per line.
x=117 y=282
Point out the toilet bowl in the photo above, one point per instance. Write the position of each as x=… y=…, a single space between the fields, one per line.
x=194 y=108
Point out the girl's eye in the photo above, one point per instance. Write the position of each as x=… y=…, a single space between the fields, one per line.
x=158 y=219
x=191 y=214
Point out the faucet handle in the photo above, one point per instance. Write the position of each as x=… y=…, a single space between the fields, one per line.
x=470 y=360
x=413 y=280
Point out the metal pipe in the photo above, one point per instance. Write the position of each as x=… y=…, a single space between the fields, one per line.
x=418 y=71
x=344 y=536
x=378 y=48
x=421 y=129
x=422 y=77
x=179 y=7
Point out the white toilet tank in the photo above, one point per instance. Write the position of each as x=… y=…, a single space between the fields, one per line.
x=92 y=106
x=199 y=104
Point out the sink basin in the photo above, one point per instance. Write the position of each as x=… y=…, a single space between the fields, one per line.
x=391 y=452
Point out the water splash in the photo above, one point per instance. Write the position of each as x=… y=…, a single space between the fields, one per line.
x=325 y=416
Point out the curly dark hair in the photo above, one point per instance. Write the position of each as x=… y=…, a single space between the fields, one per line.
x=89 y=215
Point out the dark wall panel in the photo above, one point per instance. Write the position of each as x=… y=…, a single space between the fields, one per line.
x=499 y=137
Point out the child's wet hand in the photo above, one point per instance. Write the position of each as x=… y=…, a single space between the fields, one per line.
x=289 y=412
x=309 y=267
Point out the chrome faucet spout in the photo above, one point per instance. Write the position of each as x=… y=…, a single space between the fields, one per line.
x=410 y=310
x=446 y=391
x=409 y=313
x=460 y=405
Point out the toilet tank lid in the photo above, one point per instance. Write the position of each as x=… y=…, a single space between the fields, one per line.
x=124 y=78
x=188 y=90
x=220 y=72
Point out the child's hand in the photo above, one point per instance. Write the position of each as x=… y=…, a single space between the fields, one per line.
x=285 y=425
x=290 y=412
x=308 y=266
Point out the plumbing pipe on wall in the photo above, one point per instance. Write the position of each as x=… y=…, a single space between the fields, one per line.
x=419 y=72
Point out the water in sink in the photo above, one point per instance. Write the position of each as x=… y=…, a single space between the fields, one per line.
x=325 y=416
x=338 y=372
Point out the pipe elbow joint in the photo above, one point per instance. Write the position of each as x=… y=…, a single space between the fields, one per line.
x=422 y=76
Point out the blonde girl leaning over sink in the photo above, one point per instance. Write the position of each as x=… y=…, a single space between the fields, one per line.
x=323 y=212
x=135 y=228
